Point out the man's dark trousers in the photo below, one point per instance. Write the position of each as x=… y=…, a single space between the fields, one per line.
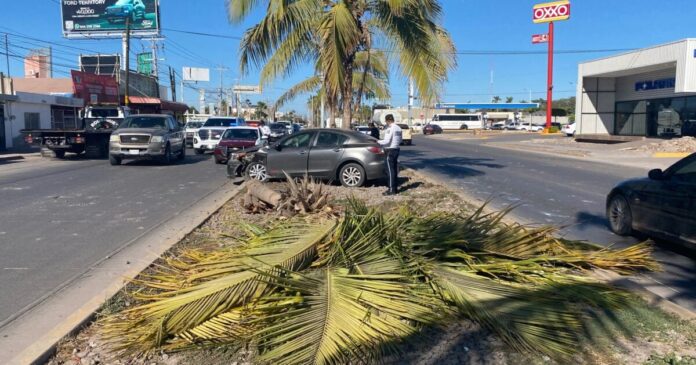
x=393 y=168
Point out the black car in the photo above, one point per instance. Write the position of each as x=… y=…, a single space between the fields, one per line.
x=662 y=205
x=350 y=157
x=432 y=129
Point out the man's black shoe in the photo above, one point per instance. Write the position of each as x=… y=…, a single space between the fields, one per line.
x=387 y=193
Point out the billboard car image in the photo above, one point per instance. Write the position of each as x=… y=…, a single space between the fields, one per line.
x=108 y=17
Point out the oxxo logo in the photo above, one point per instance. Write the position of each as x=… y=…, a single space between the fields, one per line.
x=548 y=12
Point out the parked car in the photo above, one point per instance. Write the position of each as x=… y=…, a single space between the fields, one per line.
x=432 y=129
x=210 y=133
x=147 y=136
x=569 y=129
x=662 y=205
x=417 y=127
x=406 y=137
x=191 y=128
x=278 y=131
x=122 y=9
x=237 y=139
x=363 y=129
x=498 y=126
x=350 y=157
x=530 y=128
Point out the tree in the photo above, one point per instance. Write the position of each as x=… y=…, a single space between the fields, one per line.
x=496 y=99
x=509 y=99
x=332 y=33
x=261 y=110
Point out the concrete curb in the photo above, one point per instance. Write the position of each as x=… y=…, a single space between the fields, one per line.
x=32 y=338
x=671 y=154
x=11 y=158
x=629 y=283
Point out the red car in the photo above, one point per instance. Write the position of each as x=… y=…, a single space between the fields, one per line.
x=432 y=129
x=237 y=139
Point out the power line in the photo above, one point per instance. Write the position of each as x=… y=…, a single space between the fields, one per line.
x=202 y=34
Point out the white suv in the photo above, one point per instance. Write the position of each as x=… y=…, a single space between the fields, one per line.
x=569 y=129
x=208 y=136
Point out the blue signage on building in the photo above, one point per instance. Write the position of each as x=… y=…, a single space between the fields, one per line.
x=655 y=84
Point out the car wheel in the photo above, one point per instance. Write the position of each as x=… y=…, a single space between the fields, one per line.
x=167 y=158
x=464 y=127
x=257 y=171
x=619 y=215
x=352 y=175
x=114 y=161
x=182 y=154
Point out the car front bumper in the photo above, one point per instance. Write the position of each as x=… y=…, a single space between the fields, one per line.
x=137 y=151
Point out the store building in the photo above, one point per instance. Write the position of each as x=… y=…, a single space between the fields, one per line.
x=650 y=92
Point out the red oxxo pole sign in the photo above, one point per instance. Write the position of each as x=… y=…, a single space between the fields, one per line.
x=548 y=13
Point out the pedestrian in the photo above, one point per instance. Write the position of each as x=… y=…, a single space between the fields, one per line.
x=390 y=143
x=265 y=130
x=374 y=131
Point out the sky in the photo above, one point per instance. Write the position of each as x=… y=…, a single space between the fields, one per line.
x=483 y=26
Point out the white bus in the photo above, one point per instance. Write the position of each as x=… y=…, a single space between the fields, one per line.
x=458 y=121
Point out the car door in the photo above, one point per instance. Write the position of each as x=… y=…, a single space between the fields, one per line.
x=290 y=155
x=175 y=135
x=646 y=203
x=326 y=153
x=679 y=201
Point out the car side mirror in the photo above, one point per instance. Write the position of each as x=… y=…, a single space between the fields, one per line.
x=656 y=174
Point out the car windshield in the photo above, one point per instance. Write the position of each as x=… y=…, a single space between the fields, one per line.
x=193 y=125
x=247 y=134
x=144 y=122
x=221 y=122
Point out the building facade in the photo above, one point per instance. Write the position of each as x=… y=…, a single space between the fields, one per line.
x=650 y=92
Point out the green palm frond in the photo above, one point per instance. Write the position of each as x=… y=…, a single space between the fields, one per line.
x=343 y=317
x=309 y=85
x=289 y=247
x=339 y=34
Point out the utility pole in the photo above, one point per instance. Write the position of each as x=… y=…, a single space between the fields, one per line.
x=7 y=56
x=127 y=55
x=410 y=101
x=172 y=81
x=222 y=70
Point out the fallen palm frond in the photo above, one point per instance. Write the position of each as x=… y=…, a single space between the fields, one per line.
x=338 y=291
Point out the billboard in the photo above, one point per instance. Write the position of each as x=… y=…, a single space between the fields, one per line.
x=107 y=18
x=95 y=89
x=196 y=74
x=145 y=63
x=550 y=12
x=100 y=64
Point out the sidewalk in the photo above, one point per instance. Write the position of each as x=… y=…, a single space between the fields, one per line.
x=18 y=154
x=646 y=154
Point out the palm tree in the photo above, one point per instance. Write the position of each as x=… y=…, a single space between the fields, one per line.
x=369 y=81
x=332 y=33
x=261 y=110
x=496 y=99
x=509 y=99
x=318 y=290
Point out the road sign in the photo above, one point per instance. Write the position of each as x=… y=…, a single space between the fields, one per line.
x=196 y=74
x=247 y=89
x=540 y=38
x=550 y=12
x=145 y=63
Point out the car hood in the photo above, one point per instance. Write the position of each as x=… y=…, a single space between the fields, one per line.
x=150 y=131
x=237 y=143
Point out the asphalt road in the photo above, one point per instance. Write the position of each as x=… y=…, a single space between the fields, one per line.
x=58 y=218
x=549 y=190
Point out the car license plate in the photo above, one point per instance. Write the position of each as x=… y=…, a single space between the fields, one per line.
x=133 y=152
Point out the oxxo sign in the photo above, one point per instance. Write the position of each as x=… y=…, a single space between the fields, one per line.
x=550 y=12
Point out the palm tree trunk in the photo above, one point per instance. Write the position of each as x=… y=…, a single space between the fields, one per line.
x=347 y=94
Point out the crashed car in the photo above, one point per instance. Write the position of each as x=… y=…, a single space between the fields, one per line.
x=237 y=139
x=350 y=157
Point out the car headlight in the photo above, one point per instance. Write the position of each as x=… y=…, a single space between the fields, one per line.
x=114 y=138
x=157 y=139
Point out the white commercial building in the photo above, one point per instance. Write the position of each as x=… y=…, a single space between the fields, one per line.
x=35 y=111
x=649 y=92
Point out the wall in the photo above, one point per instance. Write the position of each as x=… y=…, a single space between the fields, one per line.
x=595 y=113
x=626 y=86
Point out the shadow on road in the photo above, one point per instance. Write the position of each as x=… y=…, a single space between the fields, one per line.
x=454 y=167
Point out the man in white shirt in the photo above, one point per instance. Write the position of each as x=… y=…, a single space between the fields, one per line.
x=390 y=143
x=265 y=130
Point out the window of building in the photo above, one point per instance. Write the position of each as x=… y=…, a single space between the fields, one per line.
x=32 y=121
